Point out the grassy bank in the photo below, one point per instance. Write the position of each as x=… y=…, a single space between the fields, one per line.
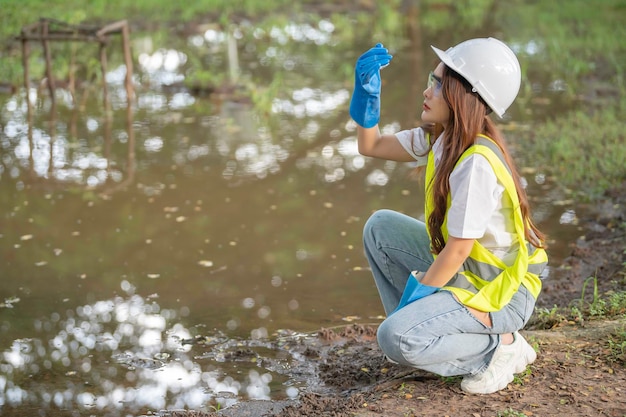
x=584 y=149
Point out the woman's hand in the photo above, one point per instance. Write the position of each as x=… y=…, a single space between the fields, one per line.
x=483 y=316
x=365 y=102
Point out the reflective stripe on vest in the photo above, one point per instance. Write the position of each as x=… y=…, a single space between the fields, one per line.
x=485 y=282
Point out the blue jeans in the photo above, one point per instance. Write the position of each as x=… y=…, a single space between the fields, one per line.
x=436 y=333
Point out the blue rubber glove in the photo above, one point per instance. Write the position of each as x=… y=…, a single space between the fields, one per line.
x=365 y=102
x=415 y=290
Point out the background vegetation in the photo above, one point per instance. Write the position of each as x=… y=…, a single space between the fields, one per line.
x=582 y=139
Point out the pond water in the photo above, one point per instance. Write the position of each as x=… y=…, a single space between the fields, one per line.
x=140 y=250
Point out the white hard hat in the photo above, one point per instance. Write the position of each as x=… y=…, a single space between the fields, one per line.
x=490 y=66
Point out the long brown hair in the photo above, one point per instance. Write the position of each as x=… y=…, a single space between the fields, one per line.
x=469 y=117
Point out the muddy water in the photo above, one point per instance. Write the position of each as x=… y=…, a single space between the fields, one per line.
x=148 y=258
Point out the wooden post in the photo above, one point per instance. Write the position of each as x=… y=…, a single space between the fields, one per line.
x=233 y=58
x=46 y=48
x=52 y=125
x=131 y=142
x=72 y=75
x=108 y=119
x=29 y=106
x=103 y=67
x=128 y=59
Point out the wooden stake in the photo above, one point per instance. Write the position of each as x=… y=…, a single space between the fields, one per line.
x=47 y=53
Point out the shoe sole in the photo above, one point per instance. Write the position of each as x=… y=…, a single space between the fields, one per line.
x=529 y=357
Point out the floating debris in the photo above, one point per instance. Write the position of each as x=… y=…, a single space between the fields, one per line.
x=224 y=395
x=204 y=340
x=131 y=362
x=8 y=302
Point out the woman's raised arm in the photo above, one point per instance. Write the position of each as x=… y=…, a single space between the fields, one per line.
x=372 y=143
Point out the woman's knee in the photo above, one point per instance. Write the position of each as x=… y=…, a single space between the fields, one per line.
x=372 y=228
x=393 y=342
x=376 y=219
x=379 y=223
x=389 y=341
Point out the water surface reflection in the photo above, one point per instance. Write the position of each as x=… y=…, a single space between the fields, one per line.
x=154 y=255
x=129 y=354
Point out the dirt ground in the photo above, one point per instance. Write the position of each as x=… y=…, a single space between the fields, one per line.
x=576 y=374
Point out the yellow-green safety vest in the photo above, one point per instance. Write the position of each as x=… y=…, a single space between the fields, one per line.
x=485 y=282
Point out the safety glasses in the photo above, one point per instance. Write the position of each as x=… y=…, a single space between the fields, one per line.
x=434 y=82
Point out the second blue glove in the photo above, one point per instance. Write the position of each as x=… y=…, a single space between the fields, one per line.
x=414 y=290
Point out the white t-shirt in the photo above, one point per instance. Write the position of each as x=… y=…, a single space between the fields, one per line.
x=476 y=210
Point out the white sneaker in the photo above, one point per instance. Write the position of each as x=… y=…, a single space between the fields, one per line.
x=507 y=360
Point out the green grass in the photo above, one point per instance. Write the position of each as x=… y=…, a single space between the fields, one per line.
x=617 y=347
x=612 y=304
x=17 y=13
x=606 y=307
x=591 y=305
x=584 y=149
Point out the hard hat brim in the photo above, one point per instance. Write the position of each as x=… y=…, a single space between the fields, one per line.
x=445 y=58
